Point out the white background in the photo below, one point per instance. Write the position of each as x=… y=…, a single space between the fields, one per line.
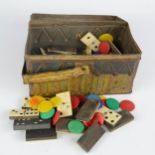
x=137 y=137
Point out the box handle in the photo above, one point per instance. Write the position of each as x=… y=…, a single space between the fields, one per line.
x=56 y=76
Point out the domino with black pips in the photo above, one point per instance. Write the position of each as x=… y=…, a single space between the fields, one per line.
x=17 y=114
x=126 y=118
x=25 y=103
x=23 y=114
x=30 y=124
x=91 y=41
x=111 y=117
x=31 y=113
x=65 y=107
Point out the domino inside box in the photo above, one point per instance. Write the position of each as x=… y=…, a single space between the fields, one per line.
x=108 y=74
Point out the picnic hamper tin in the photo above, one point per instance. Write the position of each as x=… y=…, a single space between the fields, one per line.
x=80 y=74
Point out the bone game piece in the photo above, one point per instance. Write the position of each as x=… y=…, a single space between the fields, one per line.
x=15 y=114
x=30 y=113
x=91 y=41
x=23 y=114
x=126 y=118
x=25 y=102
x=29 y=124
x=111 y=117
x=65 y=107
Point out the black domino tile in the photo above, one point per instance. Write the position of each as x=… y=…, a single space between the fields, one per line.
x=41 y=134
x=62 y=124
x=87 y=111
x=91 y=137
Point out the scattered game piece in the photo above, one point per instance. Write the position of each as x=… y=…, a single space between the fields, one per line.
x=96 y=98
x=56 y=118
x=65 y=108
x=75 y=126
x=23 y=114
x=26 y=104
x=87 y=123
x=104 y=48
x=87 y=111
x=55 y=101
x=31 y=113
x=112 y=103
x=106 y=37
x=62 y=124
x=103 y=98
x=29 y=124
x=15 y=114
x=98 y=117
x=75 y=102
x=35 y=101
x=91 y=41
x=41 y=134
x=43 y=118
x=126 y=118
x=45 y=106
x=91 y=136
x=93 y=97
x=47 y=115
x=127 y=105
x=111 y=117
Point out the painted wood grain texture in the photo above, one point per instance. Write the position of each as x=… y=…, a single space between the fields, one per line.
x=91 y=137
x=41 y=134
x=82 y=85
x=87 y=110
x=49 y=87
x=94 y=84
x=56 y=76
x=43 y=88
x=110 y=84
x=126 y=118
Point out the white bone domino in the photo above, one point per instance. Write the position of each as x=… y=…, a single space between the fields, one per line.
x=23 y=114
x=91 y=41
x=65 y=107
x=111 y=117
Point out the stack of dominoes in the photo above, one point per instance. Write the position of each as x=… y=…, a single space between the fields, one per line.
x=44 y=118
